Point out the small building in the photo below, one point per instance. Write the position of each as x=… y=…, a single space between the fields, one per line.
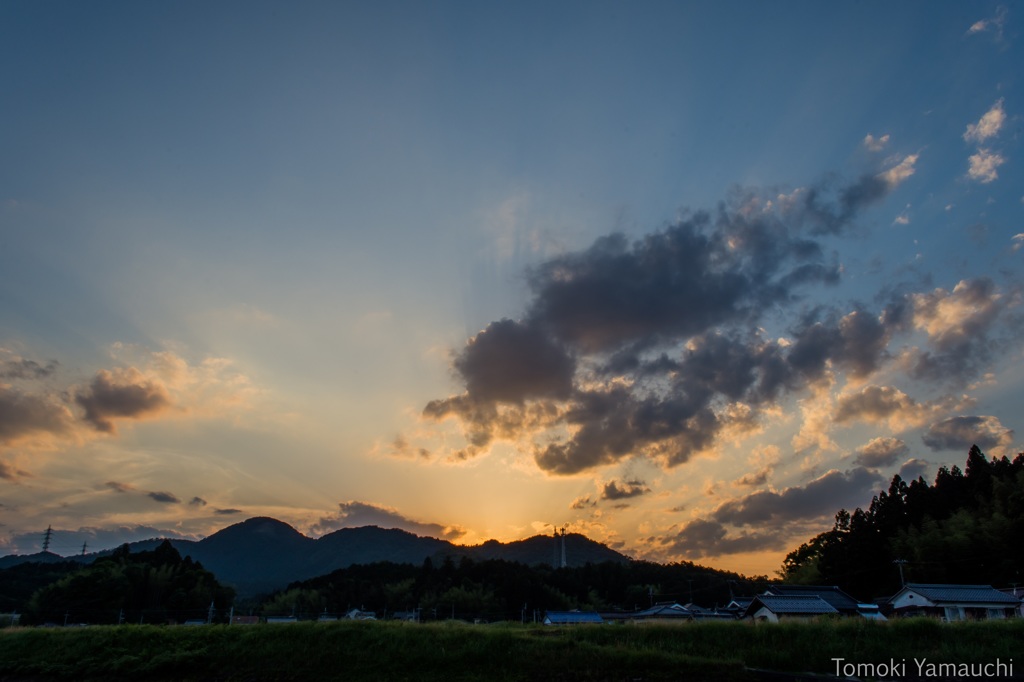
x=572 y=618
x=700 y=613
x=663 y=612
x=773 y=608
x=840 y=601
x=195 y=621
x=357 y=614
x=954 y=602
x=281 y=620
x=871 y=611
x=245 y=620
x=737 y=607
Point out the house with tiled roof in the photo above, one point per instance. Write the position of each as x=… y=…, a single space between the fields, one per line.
x=840 y=600
x=663 y=612
x=953 y=602
x=773 y=608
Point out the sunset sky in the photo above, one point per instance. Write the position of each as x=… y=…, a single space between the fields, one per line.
x=685 y=276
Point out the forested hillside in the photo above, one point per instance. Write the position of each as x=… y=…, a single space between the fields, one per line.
x=153 y=587
x=967 y=527
x=505 y=590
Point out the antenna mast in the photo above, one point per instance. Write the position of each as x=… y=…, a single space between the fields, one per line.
x=560 y=532
x=46 y=538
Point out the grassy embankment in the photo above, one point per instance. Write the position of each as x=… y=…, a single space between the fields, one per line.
x=392 y=651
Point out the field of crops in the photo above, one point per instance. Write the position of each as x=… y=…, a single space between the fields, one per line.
x=355 y=651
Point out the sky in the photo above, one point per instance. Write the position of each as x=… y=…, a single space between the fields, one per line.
x=685 y=277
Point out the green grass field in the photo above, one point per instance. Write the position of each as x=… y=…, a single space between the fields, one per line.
x=355 y=651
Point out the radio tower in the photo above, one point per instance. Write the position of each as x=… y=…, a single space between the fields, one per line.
x=46 y=538
x=564 y=562
x=560 y=545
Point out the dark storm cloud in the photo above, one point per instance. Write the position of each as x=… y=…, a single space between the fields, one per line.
x=704 y=538
x=511 y=362
x=960 y=433
x=881 y=452
x=483 y=421
x=820 y=497
x=356 y=514
x=23 y=414
x=829 y=209
x=120 y=394
x=613 y=424
x=702 y=272
x=615 y=490
x=855 y=342
x=21 y=368
x=665 y=286
x=163 y=497
x=651 y=347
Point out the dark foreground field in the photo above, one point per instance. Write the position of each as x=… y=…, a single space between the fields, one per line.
x=391 y=651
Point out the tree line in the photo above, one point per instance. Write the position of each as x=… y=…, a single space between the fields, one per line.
x=964 y=528
x=504 y=590
x=155 y=586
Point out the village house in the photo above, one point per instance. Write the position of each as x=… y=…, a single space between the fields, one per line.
x=773 y=608
x=953 y=602
x=840 y=600
x=662 y=612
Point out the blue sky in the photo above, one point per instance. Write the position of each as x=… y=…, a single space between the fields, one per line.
x=347 y=263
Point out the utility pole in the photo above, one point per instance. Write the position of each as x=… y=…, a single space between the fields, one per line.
x=46 y=538
x=83 y=549
x=900 y=562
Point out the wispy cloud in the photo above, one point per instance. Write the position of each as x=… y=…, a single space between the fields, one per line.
x=982 y=165
x=896 y=175
x=875 y=144
x=13 y=366
x=993 y=24
x=988 y=126
x=9 y=472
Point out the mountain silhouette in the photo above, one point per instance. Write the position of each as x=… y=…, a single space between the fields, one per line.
x=261 y=554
